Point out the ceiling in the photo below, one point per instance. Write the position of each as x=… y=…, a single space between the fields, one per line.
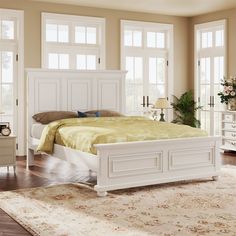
x=168 y=7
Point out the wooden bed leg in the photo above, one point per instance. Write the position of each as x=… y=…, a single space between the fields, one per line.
x=101 y=193
x=30 y=158
x=215 y=178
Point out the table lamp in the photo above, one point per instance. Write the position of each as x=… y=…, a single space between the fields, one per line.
x=162 y=103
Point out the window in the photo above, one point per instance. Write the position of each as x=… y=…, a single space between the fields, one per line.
x=73 y=42
x=146 y=50
x=210 y=54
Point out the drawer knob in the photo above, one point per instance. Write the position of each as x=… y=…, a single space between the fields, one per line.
x=233 y=135
x=234 y=126
x=233 y=143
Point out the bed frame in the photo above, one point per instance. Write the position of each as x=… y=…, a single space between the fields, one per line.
x=118 y=165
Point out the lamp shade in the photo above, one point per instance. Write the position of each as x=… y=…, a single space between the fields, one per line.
x=162 y=103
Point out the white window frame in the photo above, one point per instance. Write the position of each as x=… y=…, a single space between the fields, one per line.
x=212 y=51
x=71 y=47
x=19 y=85
x=169 y=44
x=203 y=26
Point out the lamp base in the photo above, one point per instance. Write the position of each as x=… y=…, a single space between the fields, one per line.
x=162 y=116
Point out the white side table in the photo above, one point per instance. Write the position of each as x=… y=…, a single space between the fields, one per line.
x=8 y=151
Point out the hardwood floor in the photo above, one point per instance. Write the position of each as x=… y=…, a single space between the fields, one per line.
x=49 y=171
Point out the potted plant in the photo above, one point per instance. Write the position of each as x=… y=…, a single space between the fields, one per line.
x=184 y=110
x=228 y=95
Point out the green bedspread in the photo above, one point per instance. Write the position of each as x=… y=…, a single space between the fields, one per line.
x=83 y=133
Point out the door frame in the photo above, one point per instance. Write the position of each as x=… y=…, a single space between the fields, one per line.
x=198 y=27
x=19 y=85
x=170 y=68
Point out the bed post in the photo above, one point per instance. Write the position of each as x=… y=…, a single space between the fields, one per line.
x=102 y=171
x=30 y=157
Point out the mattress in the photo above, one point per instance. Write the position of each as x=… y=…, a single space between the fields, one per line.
x=83 y=133
x=36 y=130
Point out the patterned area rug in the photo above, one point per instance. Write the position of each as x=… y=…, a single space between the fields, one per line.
x=193 y=208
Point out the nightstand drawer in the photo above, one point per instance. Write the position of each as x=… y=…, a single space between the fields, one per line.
x=230 y=126
x=6 y=151
x=228 y=117
x=231 y=145
x=6 y=142
x=229 y=134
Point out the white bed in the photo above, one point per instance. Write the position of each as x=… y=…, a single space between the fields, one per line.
x=119 y=165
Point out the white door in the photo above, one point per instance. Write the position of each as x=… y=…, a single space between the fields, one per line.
x=210 y=52
x=8 y=88
x=145 y=50
x=8 y=71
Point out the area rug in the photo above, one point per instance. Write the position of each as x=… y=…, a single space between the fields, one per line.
x=187 y=208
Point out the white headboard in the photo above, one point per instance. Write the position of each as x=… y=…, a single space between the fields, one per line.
x=73 y=90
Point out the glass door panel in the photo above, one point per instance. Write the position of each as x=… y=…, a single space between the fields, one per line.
x=134 y=85
x=205 y=93
x=7 y=88
x=211 y=73
x=157 y=87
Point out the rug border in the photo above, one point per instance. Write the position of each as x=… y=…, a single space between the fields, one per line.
x=20 y=222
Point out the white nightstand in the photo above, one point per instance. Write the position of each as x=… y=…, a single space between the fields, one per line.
x=8 y=151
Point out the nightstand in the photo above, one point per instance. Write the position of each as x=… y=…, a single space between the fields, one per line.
x=8 y=152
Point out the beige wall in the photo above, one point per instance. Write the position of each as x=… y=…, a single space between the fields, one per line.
x=32 y=12
x=230 y=16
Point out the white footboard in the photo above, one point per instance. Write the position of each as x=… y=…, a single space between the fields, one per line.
x=126 y=165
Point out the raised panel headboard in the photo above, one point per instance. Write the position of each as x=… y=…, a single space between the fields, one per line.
x=71 y=90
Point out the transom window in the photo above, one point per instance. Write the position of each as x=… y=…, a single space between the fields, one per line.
x=73 y=42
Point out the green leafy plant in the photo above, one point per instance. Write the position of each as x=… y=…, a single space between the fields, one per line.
x=184 y=110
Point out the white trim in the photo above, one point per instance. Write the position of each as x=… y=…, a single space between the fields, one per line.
x=169 y=50
x=99 y=22
x=20 y=112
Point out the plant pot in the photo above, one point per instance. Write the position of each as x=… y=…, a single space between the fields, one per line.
x=231 y=106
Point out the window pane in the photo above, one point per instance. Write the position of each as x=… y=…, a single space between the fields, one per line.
x=91 y=35
x=151 y=39
x=63 y=33
x=63 y=61
x=161 y=65
x=134 y=96
x=91 y=62
x=204 y=40
x=219 y=38
x=7 y=29
x=160 y=91
x=51 y=32
x=152 y=70
x=81 y=62
x=129 y=65
x=160 y=40
x=209 y=39
x=128 y=38
x=7 y=98
x=205 y=70
x=138 y=69
x=53 y=61
x=7 y=67
x=218 y=69
x=80 y=34
x=137 y=37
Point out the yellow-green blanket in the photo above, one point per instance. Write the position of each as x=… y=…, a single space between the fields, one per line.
x=83 y=133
